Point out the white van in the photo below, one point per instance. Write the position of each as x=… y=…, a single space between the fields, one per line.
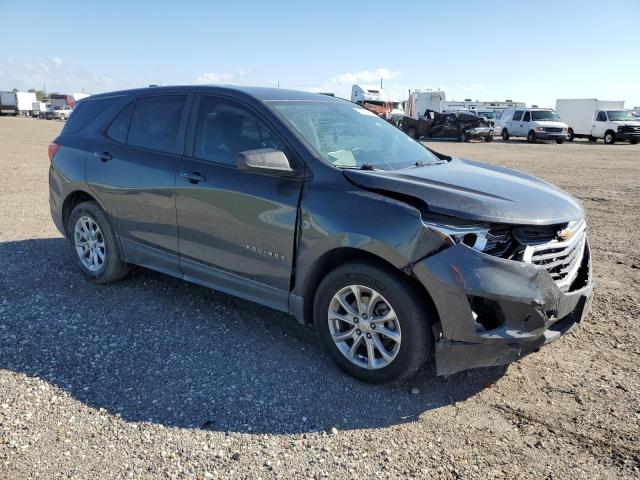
x=593 y=119
x=534 y=124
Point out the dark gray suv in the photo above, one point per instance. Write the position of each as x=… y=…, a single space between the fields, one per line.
x=314 y=206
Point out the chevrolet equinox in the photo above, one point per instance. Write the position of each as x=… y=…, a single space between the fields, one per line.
x=314 y=206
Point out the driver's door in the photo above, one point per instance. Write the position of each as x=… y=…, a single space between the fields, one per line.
x=599 y=124
x=235 y=226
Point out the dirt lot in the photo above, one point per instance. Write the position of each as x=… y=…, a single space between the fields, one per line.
x=151 y=377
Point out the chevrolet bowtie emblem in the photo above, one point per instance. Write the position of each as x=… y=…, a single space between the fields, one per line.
x=566 y=233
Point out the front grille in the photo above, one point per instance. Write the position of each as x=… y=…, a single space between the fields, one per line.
x=553 y=129
x=632 y=129
x=561 y=258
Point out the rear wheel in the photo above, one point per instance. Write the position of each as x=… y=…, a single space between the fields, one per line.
x=505 y=135
x=609 y=138
x=633 y=142
x=94 y=244
x=531 y=137
x=372 y=323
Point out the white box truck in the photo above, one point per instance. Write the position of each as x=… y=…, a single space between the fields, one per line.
x=420 y=102
x=17 y=103
x=593 y=119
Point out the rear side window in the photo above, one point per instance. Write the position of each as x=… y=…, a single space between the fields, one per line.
x=118 y=129
x=517 y=116
x=85 y=112
x=155 y=121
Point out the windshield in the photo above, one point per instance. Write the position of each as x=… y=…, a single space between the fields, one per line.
x=618 y=115
x=348 y=136
x=545 y=115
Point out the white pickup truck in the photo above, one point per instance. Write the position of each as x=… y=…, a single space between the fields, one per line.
x=593 y=119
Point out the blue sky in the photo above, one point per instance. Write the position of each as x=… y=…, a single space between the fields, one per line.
x=533 y=51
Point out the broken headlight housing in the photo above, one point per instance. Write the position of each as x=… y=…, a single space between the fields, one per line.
x=490 y=239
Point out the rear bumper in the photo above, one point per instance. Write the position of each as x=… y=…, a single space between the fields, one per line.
x=517 y=307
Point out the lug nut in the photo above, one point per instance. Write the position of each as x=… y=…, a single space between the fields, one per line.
x=356 y=319
x=358 y=332
x=373 y=326
x=364 y=315
x=368 y=335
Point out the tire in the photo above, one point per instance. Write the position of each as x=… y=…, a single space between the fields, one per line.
x=609 y=138
x=412 y=132
x=488 y=138
x=570 y=135
x=633 y=142
x=96 y=269
x=505 y=135
x=62 y=117
x=593 y=139
x=531 y=137
x=398 y=299
x=560 y=141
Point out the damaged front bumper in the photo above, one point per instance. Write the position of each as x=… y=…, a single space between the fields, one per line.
x=494 y=311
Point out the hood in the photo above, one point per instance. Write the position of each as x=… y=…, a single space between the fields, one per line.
x=623 y=123
x=476 y=191
x=550 y=123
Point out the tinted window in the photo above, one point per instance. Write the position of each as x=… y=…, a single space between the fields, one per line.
x=601 y=117
x=155 y=121
x=527 y=117
x=85 y=112
x=223 y=129
x=118 y=129
x=518 y=115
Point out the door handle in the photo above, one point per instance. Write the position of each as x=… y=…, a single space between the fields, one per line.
x=193 y=177
x=104 y=156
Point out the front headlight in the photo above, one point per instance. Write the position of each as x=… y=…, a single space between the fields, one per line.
x=489 y=239
x=620 y=129
x=539 y=129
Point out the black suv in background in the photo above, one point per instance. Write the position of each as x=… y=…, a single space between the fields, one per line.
x=317 y=207
x=461 y=126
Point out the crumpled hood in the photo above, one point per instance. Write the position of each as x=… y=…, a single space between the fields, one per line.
x=476 y=191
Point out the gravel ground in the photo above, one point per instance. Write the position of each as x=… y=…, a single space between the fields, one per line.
x=151 y=377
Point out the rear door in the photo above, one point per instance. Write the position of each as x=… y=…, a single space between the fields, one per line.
x=133 y=170
x=236 y=229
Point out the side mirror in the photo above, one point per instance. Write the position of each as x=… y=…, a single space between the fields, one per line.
x=266 y=161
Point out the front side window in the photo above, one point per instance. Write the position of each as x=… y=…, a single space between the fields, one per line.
x=348 y=136
x=602 y=117
x=155 y=122
x=518 y=115
x=224 y=129
x=527 y=117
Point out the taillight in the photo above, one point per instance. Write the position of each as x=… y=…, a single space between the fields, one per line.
x=53 y=149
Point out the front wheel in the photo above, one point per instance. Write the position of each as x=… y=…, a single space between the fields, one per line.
x=412 y=132
x=488 y=138
x=609 y=138
x=373 y=323
x=531 y=137
x=570 y=135
x=633 y=142
x=560 y=141
x=505 y=135
x=94 y=244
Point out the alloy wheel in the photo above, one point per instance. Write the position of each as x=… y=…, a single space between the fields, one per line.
x=89 y=242
x=364 y=327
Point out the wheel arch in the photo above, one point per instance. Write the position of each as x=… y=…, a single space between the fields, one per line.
x=75 y=198
x=341 y=255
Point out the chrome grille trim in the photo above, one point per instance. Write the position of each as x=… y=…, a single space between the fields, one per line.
x=561 y=259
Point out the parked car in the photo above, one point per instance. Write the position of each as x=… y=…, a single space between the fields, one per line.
x=593 y=119
x=59 y=112
x=314 y=206
x=534 y=124
x=462 y=126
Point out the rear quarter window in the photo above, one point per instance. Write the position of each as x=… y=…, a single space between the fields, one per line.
x=85 y=112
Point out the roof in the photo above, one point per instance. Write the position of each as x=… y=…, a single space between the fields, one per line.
x=259 y=93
